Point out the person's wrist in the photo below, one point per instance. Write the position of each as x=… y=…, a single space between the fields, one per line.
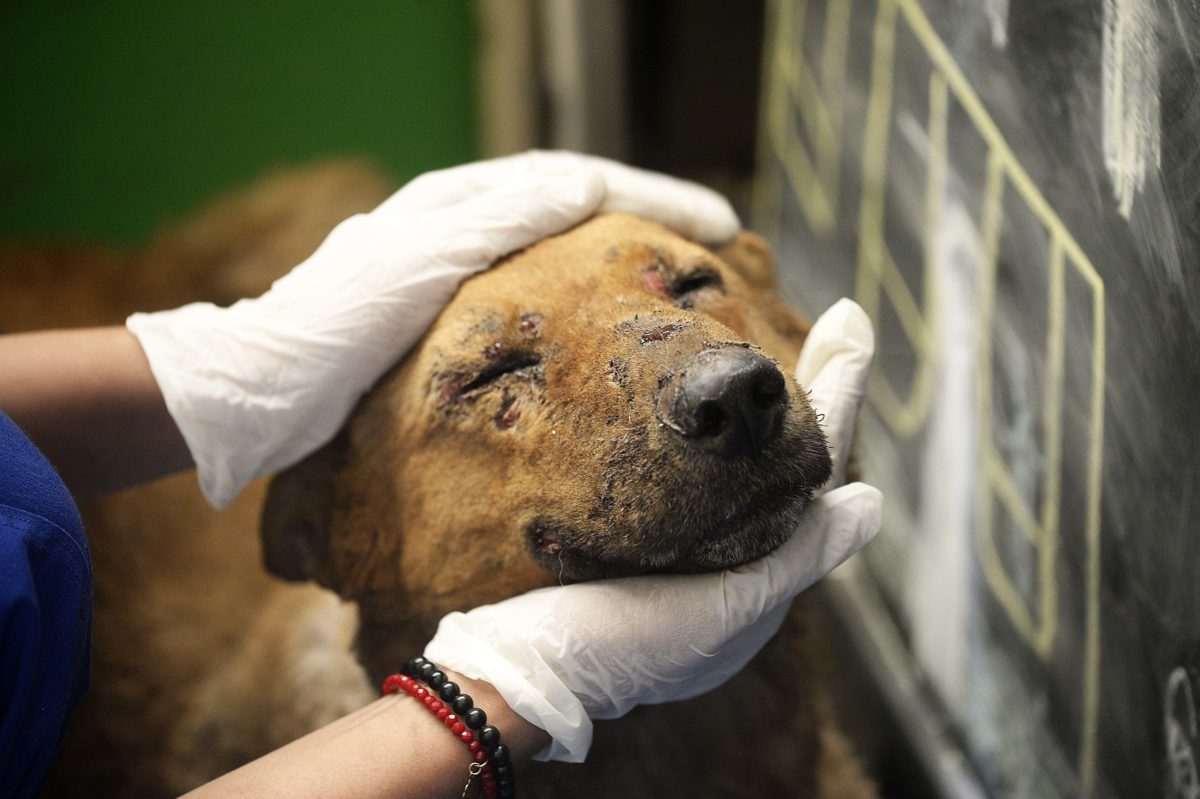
x=522 y=737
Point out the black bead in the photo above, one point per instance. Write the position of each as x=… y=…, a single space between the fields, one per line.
x=417 y=663
x=505 y=791
x=500 y=754
x=474 y=718
x=462 y=703
x=426 y=669
x=437 y=679
x=408 y=667
x=448 y=691
x=503 y=770
x=489 y=736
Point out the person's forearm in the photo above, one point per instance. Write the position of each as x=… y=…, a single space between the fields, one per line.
x=394 y=747
x=89 y=401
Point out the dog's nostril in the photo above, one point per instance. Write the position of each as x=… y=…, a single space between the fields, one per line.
x=767 y=389
x=710 y=420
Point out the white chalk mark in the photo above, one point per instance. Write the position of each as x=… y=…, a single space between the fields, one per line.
x=939 y=564
x=1130 y=85
x=1179 y=730
x=1184 y=34
x=997 y=13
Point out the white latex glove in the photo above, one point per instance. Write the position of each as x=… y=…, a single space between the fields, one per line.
x=565 y=655
x=257 y=386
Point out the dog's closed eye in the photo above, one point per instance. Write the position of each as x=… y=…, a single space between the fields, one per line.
x=510 y=363
x=696 y=281
x=684 y=288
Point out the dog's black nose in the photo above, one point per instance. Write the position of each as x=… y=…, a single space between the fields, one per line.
x=727 y=401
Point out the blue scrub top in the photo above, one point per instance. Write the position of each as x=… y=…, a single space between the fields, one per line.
x=45 y=611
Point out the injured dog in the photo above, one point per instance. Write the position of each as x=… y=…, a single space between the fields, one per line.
x=608 y=402
x=592 y=407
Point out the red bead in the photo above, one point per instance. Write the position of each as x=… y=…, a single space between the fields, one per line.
x=457 y=727
x=421 y=693
x=480 y=757
x=435 y=706
x=428 y=700
x=451 y=720
x=467 y=737
x=474 y=746
x=443 y=713
x=391 y=684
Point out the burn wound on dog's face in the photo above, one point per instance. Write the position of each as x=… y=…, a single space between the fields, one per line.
x=661 y=333
x=652 y=327
x=682 y=283
x=509 y=413
x=531 y=325
x=618 y=371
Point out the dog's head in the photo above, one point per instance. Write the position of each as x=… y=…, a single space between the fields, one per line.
x=603 y=403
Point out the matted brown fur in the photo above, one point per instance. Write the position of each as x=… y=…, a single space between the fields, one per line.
x=443 y=493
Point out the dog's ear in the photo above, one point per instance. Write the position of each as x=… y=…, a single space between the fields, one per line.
x=296 y=515
x=751 y=257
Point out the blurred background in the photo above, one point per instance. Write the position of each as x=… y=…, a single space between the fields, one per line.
x=1007 y=186
x=120 y=115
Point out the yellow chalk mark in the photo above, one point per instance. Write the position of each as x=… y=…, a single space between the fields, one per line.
x=874 y=157
x=785 y=87
x=1068 y=250
x=905 y=417
x=802 y=176
x=878 y=275
x=995 y=480
x=1091 y=674
x=1043 y=532
x=1007 y=492
x=767 y=184
x=1052 y=450
x=833 y=73
x=792 y=88
x=1017 y=176
x=935 y=182
x=1034 y=631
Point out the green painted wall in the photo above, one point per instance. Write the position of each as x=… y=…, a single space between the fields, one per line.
x=117 y=114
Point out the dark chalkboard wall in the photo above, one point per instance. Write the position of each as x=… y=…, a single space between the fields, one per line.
x=1011 y=188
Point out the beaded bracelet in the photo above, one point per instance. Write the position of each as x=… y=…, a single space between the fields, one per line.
x=491 y=760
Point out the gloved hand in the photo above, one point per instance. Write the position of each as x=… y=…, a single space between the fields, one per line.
x=565 y=655
x=257 y=386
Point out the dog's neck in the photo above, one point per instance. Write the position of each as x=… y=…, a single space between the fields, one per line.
x=387 y=635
